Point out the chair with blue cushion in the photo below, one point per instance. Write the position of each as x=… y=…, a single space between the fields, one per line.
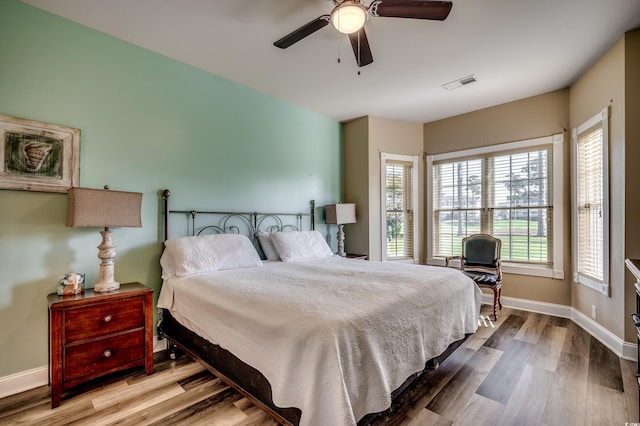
x=481 y=262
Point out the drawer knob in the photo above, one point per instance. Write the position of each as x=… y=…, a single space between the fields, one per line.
x=107 y=353
x=107 y=318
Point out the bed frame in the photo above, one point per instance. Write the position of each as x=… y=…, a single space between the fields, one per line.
x=242 y=377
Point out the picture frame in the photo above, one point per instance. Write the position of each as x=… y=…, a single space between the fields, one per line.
x=36 y=156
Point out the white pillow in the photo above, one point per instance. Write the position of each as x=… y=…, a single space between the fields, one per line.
x=216 y=252
x=267 y=246
x=166 y=263
x=300 y=245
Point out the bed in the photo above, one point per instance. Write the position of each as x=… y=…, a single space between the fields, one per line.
x=310 y=337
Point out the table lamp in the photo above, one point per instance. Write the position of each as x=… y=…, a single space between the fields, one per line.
x=340 y=214
x=103 y=208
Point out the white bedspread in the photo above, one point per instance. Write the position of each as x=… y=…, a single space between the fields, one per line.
x=333 y=336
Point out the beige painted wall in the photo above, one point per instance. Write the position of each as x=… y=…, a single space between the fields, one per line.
x=603 y=85
x=529 y=118
x=632 y=171
x=364 y=140
x=356 y=183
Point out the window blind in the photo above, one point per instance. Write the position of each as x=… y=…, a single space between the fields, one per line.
x=399 y=212
x=458 y=204
x=590 y=203
x=505 y=194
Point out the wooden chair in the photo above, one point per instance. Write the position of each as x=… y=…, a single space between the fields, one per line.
x=481 y=262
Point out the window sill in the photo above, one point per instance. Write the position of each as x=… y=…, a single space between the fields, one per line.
x=511 y=268
x=598 y=286
x=536 y=271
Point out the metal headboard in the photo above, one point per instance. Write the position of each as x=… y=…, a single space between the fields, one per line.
x=247 y=223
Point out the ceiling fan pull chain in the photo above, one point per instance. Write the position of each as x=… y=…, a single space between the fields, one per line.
x=339 y=52
x=359 y=52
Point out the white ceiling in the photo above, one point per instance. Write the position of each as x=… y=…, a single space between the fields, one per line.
x=515 y=48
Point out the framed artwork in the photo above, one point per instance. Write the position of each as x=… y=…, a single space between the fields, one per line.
x=38 y=156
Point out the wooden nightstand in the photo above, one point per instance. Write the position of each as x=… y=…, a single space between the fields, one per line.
x=93 y=334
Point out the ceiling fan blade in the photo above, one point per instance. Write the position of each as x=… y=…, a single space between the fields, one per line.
x=416 y=9
x=302 y=32
x=361 y=47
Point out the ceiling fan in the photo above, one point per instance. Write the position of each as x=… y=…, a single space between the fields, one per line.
x=349 y=17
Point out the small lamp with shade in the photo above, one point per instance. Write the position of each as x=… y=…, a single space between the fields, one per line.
x=340 y=214
x=103 y=208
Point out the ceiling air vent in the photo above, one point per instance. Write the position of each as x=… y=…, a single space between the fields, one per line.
x=460 y=82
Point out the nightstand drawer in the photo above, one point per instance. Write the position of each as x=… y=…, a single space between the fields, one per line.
x=101 y=356
x=102 y=319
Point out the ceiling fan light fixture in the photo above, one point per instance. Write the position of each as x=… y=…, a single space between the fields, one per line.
x=349 y=17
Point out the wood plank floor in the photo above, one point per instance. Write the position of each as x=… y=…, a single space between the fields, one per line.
x=524 y=369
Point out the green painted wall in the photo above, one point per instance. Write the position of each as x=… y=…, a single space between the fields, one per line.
x=148 y=123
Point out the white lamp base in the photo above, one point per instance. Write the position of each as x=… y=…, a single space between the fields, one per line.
x=102 y=287
x=106 y=253
x=341 y=241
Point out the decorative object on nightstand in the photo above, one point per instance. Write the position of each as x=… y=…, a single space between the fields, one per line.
x=340 y=214
x=70 y=284
x=97 y=208
x=93 y=334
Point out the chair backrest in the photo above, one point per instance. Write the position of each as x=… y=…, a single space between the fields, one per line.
x=481 y=250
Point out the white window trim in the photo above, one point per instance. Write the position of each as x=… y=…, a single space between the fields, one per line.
x=603 y=118
x=555 y=271
x=384 y=156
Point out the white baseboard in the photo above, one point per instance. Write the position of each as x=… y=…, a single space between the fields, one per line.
x=621 y=348
x=159 y=345
x=531 y=306
x=39 y=376
x=23 y=381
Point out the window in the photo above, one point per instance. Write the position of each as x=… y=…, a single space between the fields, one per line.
x=590 y=202
x=399 y=198
x=504 y=190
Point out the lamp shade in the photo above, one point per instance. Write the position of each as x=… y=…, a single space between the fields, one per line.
x=349 y=17
x=340 y=213
x=97 y=208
